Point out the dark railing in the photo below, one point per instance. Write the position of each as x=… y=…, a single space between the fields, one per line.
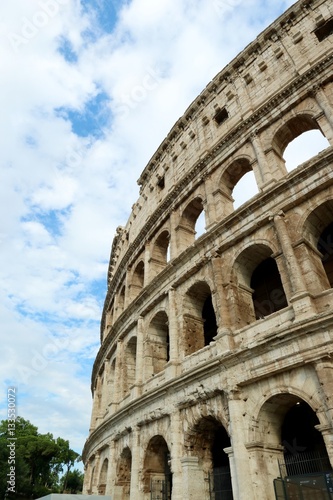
x=220 y=484
x=300 y=464
x=304 y=476
x=160 y=489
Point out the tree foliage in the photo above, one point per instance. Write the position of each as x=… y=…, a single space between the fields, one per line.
x=34 y=462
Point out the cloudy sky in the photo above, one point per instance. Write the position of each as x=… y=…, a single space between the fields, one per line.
x=89 y=88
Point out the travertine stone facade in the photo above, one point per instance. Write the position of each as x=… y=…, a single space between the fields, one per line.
x=216 y=351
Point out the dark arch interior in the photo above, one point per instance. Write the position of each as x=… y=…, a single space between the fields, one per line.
x=210 y=325
x=268 y=296
x=325 y=247
x=221 y=469
x=304 y=447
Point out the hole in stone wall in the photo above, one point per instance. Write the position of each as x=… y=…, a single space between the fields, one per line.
x=245 y=189
x=325 y=30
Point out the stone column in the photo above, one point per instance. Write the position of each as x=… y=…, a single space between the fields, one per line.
x=118 y=375
x=176 y=431
x=325 y=106
x=260 y=170
x=224 y=336
x=210 y=211
x=87 y=479
x=242 y=482
x=136 y=486
x=324 y=369
x=95 y=477
x=105 y=400
x=300 y=298
x=139 y=352
x=173 y=329
x=193 y=479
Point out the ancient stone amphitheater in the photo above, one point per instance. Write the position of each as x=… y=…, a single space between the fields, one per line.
x=215 y=373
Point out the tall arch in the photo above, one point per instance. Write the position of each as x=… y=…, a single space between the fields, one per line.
x=130 y=364
x=318 y=231
x=238 y=174
x=186 y=230
x=138 y=278
x=123 y=474
x=103 y=477
x=157 y=346
x=159 y=254
x=200 y=326
x=259 y=291
x=208 y=440
x=286 y=431
x=156 y=470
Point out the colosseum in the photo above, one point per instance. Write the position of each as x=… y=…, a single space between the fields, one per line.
x=214 y=378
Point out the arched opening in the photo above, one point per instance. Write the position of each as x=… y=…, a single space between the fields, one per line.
x=287 y=433
x=325 y=247
x=160 y=253
x=268 y=293
x=121 y=300
x=191 y=224
x=200 y=225
x=138 y=279
x=157 y=473
x=92 y=480
x=245 y=189
x=318 y=231
x=246 y=308
x=238 y=184
x=130 y=364
x=304 y=447
x=158 y=345
x=200 y=325
x=298 y=139
x=209 y=441
x=123 y=479
x=103 y=477
x=210 y=325
x=304 y=147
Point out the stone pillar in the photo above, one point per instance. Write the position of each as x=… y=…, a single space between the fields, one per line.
x=260 y=167
x=326 y=107
x=224 y=336
x=118 y=375
x=242 y=482
x=264 y=466
x=176 y=431
x=193 y=479
x=136 y=486
x=139 y=352
x=87 y=479
x=172 y=367
x=174 y=220
x=95 y=477
x=209 y=207
x=300 y=298
x=324 y=369
x=105 y=400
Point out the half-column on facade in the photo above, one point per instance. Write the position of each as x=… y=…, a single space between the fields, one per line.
x=215 y=371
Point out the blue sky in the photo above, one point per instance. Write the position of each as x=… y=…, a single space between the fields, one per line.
x=89 y=90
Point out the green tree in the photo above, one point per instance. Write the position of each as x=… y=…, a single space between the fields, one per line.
x=39 y=460
x=73 y=483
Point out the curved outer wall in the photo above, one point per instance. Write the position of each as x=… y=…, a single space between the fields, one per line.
x=193 y=353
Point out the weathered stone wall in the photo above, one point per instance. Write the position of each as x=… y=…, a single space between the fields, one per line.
x=191 y=346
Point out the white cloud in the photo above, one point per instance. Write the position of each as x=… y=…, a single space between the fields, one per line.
x=62 y=195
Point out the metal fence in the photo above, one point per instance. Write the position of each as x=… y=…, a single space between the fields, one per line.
x=303 y=463
x=220 y=484
x=160 y=489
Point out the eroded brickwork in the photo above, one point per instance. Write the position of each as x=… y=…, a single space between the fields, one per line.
x=216 y=349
